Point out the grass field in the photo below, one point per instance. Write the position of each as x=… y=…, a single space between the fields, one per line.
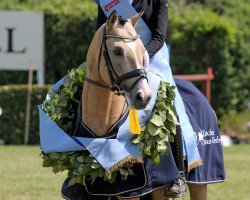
x=23 y=178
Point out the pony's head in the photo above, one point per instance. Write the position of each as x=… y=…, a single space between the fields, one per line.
x=121 y=60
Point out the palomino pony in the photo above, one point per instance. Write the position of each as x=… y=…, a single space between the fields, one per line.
x=115 y=65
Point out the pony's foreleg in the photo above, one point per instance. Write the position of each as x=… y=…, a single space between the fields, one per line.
x=198 y=192
x=159 y=194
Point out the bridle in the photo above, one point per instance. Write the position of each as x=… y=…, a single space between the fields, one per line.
x=115 y=79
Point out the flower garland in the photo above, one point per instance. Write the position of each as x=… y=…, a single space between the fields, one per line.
x=61 y=106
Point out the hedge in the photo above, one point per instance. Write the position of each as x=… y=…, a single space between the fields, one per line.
x=12 y=121
x=200 y=38
x=238 y=12
x=69 y=28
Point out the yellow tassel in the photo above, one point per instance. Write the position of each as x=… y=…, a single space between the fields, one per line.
x=134 y=124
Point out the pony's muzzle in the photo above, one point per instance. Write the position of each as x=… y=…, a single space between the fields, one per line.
x=142 y=99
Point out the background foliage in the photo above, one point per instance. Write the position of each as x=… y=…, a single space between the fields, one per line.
x=214 y=33
x=12 y=121
x=69 y=28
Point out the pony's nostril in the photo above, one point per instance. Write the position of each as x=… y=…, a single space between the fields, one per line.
x=148 y=98
x=139 y=96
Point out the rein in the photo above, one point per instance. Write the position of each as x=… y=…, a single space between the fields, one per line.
x=115 y=79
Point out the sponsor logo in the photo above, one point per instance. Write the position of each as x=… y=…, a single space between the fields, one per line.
x=204 y=137
x=112 y=4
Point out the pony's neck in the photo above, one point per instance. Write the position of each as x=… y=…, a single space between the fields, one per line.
x=101 y=108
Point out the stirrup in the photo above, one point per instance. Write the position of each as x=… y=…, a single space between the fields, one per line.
x=177 y=187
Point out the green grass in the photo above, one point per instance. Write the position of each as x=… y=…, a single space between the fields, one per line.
x=237 y=184
x=23 y=178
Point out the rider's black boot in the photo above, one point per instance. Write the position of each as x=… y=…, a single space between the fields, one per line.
x=177 y=187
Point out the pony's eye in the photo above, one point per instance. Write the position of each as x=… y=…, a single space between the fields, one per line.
x=117 y=51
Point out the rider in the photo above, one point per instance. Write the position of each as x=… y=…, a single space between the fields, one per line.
x=156 y=17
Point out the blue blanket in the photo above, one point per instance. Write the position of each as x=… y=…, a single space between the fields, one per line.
x=149 y=176
x=204 y=123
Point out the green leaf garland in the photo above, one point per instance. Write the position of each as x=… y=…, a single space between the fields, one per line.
x=161 y=126
x=61 y=106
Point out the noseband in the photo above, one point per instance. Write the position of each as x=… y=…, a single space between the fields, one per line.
x=115 y=79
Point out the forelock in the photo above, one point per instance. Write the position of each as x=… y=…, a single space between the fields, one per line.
x=122 y=21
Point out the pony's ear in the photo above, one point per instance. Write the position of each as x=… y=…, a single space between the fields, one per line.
x=113 y=17
x=134 y=20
